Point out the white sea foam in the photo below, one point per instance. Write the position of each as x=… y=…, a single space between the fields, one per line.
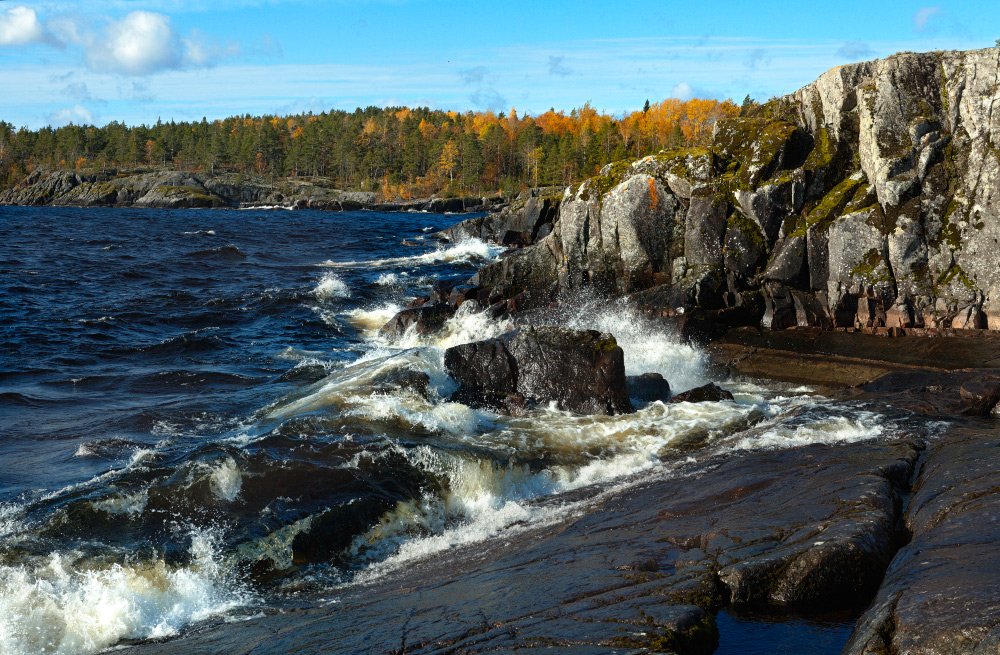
x=290 y=354
x=331 y=286
x=133 y=504
x=372 y=318
x=65 y=605
x=858 y=425
x=462 y=251
x=465 y=326
x=648 y=347
x=226 y=480
x=387 y=279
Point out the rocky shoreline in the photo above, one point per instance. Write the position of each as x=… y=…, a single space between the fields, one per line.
x=188 y=190
x=843 y=237
x=862 y=207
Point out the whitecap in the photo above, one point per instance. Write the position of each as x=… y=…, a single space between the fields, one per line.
x=463 y=251
x=331 y=286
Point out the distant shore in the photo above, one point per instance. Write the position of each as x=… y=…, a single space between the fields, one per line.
x=186 y=190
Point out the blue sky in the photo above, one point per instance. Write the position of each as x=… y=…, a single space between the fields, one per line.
x=136 y=61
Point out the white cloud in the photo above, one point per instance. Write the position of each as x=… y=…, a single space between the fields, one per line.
x=19 y=26
x=78 y=114
x=923 y=16
x=139 y=44
x=682 y=91
x=855 y=50
x=685 y=91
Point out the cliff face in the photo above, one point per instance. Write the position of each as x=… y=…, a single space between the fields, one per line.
x=869 y=198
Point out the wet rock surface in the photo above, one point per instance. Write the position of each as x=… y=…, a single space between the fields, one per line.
x=709 y=393
x=940 y=595
x=649 y=387
x=581 y=371
x=642 y=571
x=839 y=359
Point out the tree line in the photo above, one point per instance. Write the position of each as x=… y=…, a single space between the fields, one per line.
x=398 y=151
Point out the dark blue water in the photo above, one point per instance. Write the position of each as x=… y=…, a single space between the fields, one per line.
x=119 y=326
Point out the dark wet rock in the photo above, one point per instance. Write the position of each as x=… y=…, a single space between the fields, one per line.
x=709 y=393
x=581 y=371
x=486 y=373
x=940 y=595
x=981 y=394
x=648 y=387
x=424 y=319
x=639 y=572
x=520 y=223
x=965 y=392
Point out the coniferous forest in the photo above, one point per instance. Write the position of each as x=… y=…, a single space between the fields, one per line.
x=399 y=152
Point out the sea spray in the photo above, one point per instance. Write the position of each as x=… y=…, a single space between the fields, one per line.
x=66 y=605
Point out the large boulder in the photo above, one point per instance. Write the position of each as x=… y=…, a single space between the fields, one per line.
x=581 y=371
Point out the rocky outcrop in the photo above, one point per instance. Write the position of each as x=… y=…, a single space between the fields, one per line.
x=520 y=223
x=940 y=594
x=174 y=189
x=865 y=200
x=581 y=371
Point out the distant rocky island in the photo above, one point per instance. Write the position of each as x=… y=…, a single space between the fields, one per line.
x=189 y=190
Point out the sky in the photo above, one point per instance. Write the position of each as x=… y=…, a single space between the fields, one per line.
x=135 y=61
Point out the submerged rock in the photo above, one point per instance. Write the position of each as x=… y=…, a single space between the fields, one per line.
x=709 y=393
x=639 y=572
x=580 y=371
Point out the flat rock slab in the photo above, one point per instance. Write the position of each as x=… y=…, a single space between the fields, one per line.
x=941 y=594
x=635 y=571
x=839 y=359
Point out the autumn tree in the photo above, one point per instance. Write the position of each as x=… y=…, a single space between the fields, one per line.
x=448 y=160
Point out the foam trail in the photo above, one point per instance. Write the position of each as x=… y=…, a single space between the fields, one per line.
x=463 y=251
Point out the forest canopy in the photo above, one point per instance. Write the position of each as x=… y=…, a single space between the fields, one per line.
x=400 y=152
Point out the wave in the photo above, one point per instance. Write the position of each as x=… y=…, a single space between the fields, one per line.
x=648 y=345
x=472 y=250
x=228 y=253
x=66 y=604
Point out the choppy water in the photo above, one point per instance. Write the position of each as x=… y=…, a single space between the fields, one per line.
x=195 y=420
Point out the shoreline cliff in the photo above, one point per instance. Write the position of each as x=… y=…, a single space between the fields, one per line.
x=865 y=201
